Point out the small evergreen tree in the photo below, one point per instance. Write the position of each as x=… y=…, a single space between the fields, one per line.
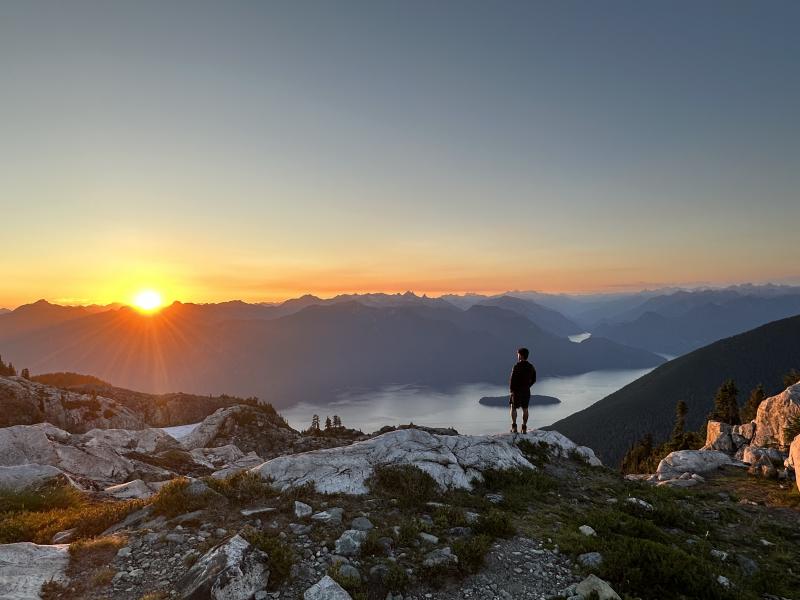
x=636 y=458
x=327 y=423
x=314 y=424
x=749 y=410
x=337 y=422
x=680 y=419
x=11 y=370
x=791 y=378
x=726 y=405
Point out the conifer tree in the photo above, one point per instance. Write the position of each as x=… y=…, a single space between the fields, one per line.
x=726 y=405
x=337 y=422
x=680 y=419
x=315 y=423
x=791 y=378
x=327 y=423
x=749 y=410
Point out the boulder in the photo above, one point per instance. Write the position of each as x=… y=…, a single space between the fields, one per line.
x=774 y=414
x=754 y=454
x=558 y=444
x=441 y=557
x=302 y=510
x=594 y=585
x=24 y=567
x=794 y=459
x=136 y=489
x=21 y=477
x=590 y=560
x=233 y=570
x=29 y=444
x=326 y=589
x=452 y=461
x=679 y=462
x=718 y=437
x=331 y=516
x=215 y=458
x=349 y=543
x=245 y=463
x=745 y=430
x=144 y=441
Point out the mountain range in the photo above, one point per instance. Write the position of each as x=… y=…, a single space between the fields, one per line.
x=304 y=349
x=760 y=356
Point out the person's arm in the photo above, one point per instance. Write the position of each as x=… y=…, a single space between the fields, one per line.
x=533 y=375
x=513 y=379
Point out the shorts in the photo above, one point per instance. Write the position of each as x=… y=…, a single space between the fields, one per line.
x=519 y=400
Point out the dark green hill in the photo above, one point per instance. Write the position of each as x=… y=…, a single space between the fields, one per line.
x=761 y=355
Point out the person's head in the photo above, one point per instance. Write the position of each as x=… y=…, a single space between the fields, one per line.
x=522 y=354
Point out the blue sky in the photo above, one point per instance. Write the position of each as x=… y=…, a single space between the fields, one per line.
x=258 y=150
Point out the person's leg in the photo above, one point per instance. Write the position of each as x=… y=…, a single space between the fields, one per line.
x=513 y=418
x=524 y=419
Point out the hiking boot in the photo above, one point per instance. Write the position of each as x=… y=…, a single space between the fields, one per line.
x=513 y=428
x=524 y=429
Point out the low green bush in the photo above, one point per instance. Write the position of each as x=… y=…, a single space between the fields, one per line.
x=281 y=557
x=243 y=487
x=495 y=523
x=174 y=499
x=410 y=486
x=471 y=552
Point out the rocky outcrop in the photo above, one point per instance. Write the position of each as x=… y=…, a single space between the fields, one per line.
x=21 y=477
x=27 y=402
x=452 y=461
x=793 y=461
x=675 y=464
x=234 y=570
x=256 y=429
x=24 y=567
x=145 y=441
x=774 y=414
x=556 y=444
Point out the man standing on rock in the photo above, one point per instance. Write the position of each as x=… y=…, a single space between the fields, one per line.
x=523 y=376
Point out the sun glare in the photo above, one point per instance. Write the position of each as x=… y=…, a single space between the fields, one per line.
x=147 y=301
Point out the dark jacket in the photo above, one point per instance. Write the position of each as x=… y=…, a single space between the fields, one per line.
x=523 y=376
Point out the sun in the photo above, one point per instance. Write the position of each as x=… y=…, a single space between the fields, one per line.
x=148 y=301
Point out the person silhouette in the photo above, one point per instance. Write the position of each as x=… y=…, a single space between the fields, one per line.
x=523 y=376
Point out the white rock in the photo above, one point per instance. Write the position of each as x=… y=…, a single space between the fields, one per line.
x=136 y=489
x=694 y=461
x=234 y=570
x=349 y=543
x=594 y=584
x=214 y=458
x=206 y=431
x=587 y=530
x=640 y=503
x=724 y=581
x=326 y=589
x=20 y=477
x=452 y=460
x=144 y=441
x=753 y=454
x=774 y=414
x=302 y=510
x=245 y=463
x=559 y=445
x=24 y=567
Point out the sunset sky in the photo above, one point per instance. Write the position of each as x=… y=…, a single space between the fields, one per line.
x=261 y=150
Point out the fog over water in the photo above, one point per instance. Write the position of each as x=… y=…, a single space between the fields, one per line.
x=370 y=410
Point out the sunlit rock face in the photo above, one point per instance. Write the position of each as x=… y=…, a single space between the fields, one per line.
x=774 y=414
x=452 y=461
x=27 y=402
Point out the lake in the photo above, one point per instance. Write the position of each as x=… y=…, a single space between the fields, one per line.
x=459 y=408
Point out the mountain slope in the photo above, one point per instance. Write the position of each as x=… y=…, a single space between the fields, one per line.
x=762 y=355
x=546 y=318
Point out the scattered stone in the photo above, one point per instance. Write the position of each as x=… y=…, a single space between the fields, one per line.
x=724 y=582
x=232 y=570
x=719 y=554
x=331 y=516
x=348 y=570
x=440 y=557
x=64 y=537
x=349 y=543
x=640 y=503
x=587 y=530
x=249 y=512
x=428 y=538
x=593 y=584
x=361 y=523
x=326 y=589
x=302 y=510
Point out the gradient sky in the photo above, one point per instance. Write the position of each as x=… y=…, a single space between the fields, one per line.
x=259 y=150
